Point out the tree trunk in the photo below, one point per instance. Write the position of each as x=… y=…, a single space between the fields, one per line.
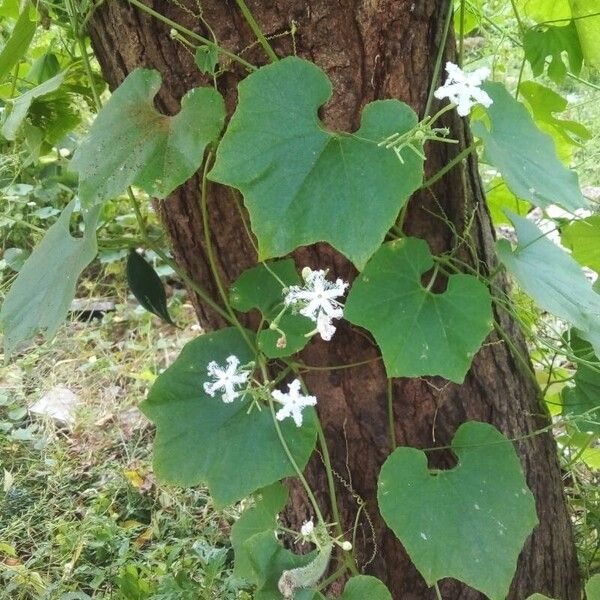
x=370 y=50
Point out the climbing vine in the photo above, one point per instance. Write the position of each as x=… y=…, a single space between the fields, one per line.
x=235 y=401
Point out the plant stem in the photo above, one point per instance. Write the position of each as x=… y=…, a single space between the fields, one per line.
x=458 y=158
x=288 y=452
x=211 y=255
x=192 y=34
x=440 y=54
x=461 y=34
x=260 y=36
x=437 y=591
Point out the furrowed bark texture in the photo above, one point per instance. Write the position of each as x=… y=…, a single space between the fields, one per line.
x=370 y=49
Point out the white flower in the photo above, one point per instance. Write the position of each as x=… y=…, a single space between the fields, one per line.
x=325 y=326
x=293 y=402
x=307 y=528
x=317 y=300
x=462 y=88
x=226 y=378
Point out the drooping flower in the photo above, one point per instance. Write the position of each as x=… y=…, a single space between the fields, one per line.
x=316 y=299
x=293 y=402
x=463 y=89
x=226 y=378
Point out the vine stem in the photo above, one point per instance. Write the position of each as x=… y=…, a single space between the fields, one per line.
x=287 y=450
x=458 y=158
x=438 y=594
x=461 y=35
x=256 y=30
x=350 y=564
x=440 y=54
x=212 y=263
x=192 y=34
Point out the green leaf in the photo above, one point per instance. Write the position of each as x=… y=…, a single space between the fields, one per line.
x=552 y=278
x=469 y=522
x=256 y=519
x=545 y=10
x=419 y=332
x=587 y=21
x=147 y=287
x=500 y=197
x=524 y=155
x=582 y=237
x=18 y=42
x=538 y=597
x=544 y=102
x=471 y=13
x=207 y=58
x=44 y=67
x=21 y=105
x=39 y=299
x=262 y=287
x=200 y=439
x=592 y=588
x=269 y=559
x=364 y=587
x=584 y=394
x=551 y=41
x=131 y=143
x=303 y=184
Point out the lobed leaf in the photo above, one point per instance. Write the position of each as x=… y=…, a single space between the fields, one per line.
x=303 y=184
x=539 y=43
x=419 y=332
x=130 y=143
x=200 y=439
x=469 y=522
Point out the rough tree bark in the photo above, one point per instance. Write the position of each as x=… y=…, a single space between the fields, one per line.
x=370 y=49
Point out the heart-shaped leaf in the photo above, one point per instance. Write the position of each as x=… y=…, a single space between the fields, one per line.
x=524 y=155
x=131 y=143
x=261 y=517
x=552 y=278
x=40 y=297
x=582 y=237
x=469 y=522
x=200 y=439
x=419 y=332
x=262 y=287
x=303 y=184
x=364 y=587
x=147 y=287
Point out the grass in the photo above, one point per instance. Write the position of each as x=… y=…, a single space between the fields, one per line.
x=81 y=514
